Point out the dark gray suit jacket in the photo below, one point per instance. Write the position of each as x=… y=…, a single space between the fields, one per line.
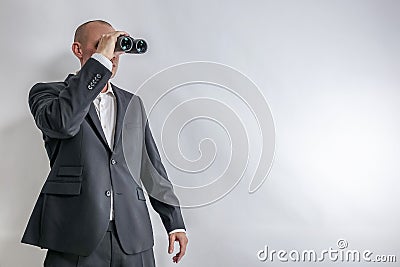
x=72 y=211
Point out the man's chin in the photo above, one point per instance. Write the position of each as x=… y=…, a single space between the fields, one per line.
x=114 y=72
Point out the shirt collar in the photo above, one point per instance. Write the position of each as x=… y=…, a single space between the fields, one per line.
x=109 y=90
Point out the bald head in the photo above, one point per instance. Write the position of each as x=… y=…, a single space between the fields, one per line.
x=86 y=40
x=82 y=32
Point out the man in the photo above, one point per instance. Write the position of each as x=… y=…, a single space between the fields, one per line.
x=92 y=211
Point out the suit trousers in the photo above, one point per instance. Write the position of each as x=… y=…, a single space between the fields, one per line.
x=107 y=254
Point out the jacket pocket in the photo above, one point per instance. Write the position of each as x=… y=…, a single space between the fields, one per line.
x=62 y=188
x=140 y=194
x=68 y=174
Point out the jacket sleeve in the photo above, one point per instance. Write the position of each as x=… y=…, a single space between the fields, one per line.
x=58 y=110
x=155 y=179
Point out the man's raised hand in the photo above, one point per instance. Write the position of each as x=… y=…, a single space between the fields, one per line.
x=107 y=43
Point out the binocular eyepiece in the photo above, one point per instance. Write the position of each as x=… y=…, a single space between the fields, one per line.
x=130 y=45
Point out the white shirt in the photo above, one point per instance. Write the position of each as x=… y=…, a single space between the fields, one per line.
x=105 y=105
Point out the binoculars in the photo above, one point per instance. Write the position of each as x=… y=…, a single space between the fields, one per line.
x=130 y=45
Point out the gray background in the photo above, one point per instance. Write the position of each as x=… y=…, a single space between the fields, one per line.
x=329 y=71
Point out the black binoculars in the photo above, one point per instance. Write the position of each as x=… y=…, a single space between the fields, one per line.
x=130 y=45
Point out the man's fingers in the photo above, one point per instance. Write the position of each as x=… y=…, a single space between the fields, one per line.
x=182 y=250
x=176 y=258
x=171 y=243
x=117 y=34
x=107 y=42
x=182 y=239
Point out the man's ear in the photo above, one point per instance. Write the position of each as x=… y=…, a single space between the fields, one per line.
x=76 y=49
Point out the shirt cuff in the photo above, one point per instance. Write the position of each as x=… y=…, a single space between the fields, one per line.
x=177 y=230
x=103 y=60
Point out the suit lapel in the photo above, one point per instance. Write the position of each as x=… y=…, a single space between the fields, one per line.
x=121 y=109
x=96 y=124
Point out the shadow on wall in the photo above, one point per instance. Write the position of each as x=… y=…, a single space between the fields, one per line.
x=24 y=167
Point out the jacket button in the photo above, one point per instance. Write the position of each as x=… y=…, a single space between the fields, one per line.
x=108 y=193
x=113 y=161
